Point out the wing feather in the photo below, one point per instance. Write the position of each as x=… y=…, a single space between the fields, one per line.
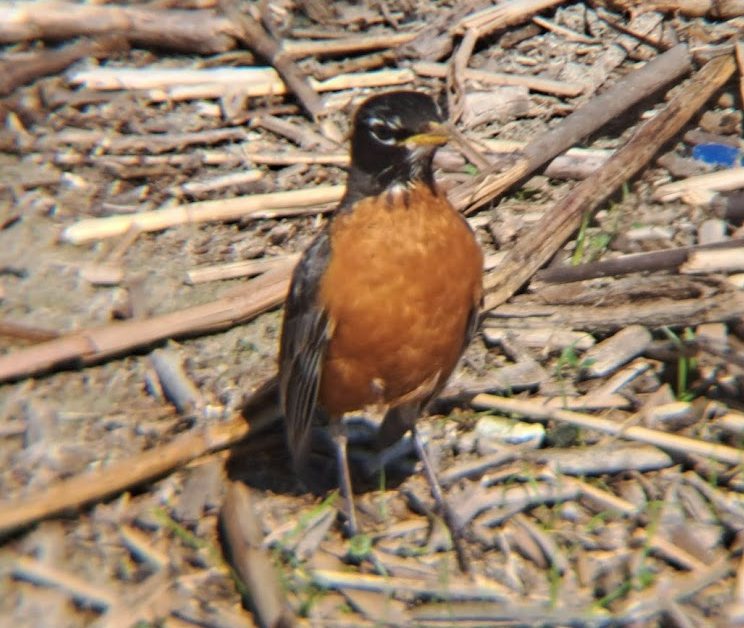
x=305 y=333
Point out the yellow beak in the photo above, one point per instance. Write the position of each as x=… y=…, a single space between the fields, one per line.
x=435 y=135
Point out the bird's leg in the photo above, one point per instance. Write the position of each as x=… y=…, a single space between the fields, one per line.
x=436 y=491
x=338 y=433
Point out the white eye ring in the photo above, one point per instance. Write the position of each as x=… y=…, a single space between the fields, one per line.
x=383 y=133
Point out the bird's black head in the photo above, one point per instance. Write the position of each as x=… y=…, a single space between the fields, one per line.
x=393 y=141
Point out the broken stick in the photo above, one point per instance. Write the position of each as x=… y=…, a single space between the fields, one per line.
x=95 y=344
x=549 y=234
x=581 y=123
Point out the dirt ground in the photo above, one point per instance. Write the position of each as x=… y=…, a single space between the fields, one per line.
x=564 y=523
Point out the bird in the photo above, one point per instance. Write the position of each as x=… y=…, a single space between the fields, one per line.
x=386 y=298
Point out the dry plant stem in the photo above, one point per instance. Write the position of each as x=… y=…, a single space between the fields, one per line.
x=11 y=329
x=355 y=64
x=95 y=344
x=19 y=70
x=253 y=35
x=455 y=80
x=547 y=86
x=694 y=8
x=73 y=493
x=546 y=237
x=592 y=318
x=36 y=571
x=451 y=589
x=198 y=84
x=153 y=144
x=252 y=563
x=513 y=613
x=582 y=122
x=199 y=188
x=300 y=135
x=176 y=384
x=346 y=45
x=709 y=262
x=205 y=211
x=723 y=181
x=105 y=78
x=663 y=440
x=504 y=15
x=569 y=34
x=189 y=31
x=232 y=270
x=636 y=263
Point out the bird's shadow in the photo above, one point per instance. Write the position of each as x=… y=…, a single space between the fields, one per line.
x=262 y=460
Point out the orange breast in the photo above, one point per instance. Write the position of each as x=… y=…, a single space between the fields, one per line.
x=404 y=274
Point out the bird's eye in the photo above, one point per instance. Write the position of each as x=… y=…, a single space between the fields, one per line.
x=383 y=133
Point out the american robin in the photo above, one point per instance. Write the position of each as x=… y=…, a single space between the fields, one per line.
x=383 y=301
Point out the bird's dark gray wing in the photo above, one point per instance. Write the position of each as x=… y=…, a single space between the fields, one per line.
x=304 y=339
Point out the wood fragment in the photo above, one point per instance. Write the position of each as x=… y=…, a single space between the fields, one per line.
x=345 y=45
x=547 y=338
x=671 y=442
x=203 y=187
x=254 y=35
x=598 y=460
x=569 y=34
x=253 y=564
x=455 y=588
x=718 y=307
x=516 y=613
x=499 y=503
x=139 y=544
x=537 y=247
x=20 y=331
x=105 y=274
x=721 y=9
x=233 y=270
x=188 y=31
x=717 y=261
x=693 y=189
x=604 y=500
x=204 y=88
x=635 y=263
x=256 y=205
x=79 y=491
x=668 y=551
x=95 y=344
x=18 y=70
x=604 y=358
x=177 y=386
x=591 y=401
x=97 y=595
x=591 y=116
x=504 y=15
x=535 y=83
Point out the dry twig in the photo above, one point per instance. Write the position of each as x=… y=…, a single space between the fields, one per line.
x=244 y=538
x=188 y=31
x=253 y=35
x=534 y=249
x=257 y=205
x=17 y=70
x=78 y=491
x=663 y=440
x=591 y=116
x=91 y=345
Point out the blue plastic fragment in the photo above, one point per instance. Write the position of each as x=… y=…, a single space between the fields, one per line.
x=717 y=154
